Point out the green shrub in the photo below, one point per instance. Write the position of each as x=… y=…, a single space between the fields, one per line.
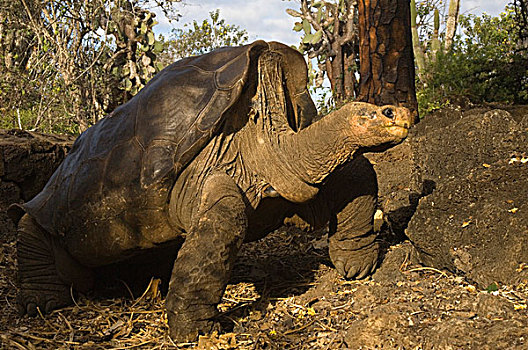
x=486 y=64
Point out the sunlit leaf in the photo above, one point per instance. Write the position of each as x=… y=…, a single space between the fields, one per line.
x=128 y=84
x=307 y=38
x=298 y=26
x=492 y=287
x=293 y=13
x=317 y=37
x=319 y=15
x=158 y=47
x=150 y=38
x=306 y=26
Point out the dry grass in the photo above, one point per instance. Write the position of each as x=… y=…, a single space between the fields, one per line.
x=283 y=296
x=119 y=324
x=141 y=323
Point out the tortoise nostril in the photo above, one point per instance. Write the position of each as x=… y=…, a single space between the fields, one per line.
x=388 y=113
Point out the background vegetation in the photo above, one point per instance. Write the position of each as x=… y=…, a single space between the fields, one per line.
x=199 y=38
x=486 y=62
x=66 y=64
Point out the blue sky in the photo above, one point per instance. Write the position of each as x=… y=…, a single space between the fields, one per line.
x=267 y=19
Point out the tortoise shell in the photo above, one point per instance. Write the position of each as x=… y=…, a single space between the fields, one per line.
x=120 y=171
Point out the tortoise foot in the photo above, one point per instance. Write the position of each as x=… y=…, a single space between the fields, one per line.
x=47 y=274
x=44 y=300
x=352 y=260
x=187 y=329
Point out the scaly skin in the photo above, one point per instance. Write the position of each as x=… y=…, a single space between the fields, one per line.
x=347 y=207
x=204 y=262
x=46 y=271
x=352 y=246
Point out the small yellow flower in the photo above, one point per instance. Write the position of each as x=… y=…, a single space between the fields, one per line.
x=471 y=288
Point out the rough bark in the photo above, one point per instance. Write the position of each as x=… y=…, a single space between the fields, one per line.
x=386 y=53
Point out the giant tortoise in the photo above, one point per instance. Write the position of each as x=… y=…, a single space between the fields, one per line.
x=216 y=150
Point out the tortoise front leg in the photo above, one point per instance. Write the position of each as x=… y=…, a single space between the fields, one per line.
x=201 y=270
x=353 y=247
x=347 y=203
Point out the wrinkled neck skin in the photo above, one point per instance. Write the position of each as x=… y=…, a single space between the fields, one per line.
x=293 y=164
x=314 y=152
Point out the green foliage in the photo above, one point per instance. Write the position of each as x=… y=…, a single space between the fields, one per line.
x=425 y=12
x=324 y=100
x=65 y=64
x=199 y=38
x=328 y=35
x=521 y=18
x=484 y=65
x=493 y=287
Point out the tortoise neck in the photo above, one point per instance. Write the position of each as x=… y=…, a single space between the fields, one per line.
x=316 y=151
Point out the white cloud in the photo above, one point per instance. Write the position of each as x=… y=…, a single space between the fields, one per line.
x=263 y=19
x=479 y=6
x=268 y=20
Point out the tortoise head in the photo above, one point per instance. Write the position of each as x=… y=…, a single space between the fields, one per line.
x=374 y=126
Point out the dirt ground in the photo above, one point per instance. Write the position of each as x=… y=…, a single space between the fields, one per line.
x=284 y=294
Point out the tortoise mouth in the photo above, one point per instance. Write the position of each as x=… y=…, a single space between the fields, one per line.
x=398 y=130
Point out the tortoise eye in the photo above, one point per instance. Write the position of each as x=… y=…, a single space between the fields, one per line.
x=388 y=113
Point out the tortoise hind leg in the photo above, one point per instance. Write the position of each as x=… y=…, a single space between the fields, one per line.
x=46 y=271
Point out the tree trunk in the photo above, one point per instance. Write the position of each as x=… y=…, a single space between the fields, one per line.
x=386 y=54
x=340 y=66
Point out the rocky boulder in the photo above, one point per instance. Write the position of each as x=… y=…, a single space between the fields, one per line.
x=27 y=160
x=458 y=190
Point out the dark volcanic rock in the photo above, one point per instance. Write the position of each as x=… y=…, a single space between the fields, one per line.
x=398 y=195
x=477 y=225
x=463 y=178
x=27 y=160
